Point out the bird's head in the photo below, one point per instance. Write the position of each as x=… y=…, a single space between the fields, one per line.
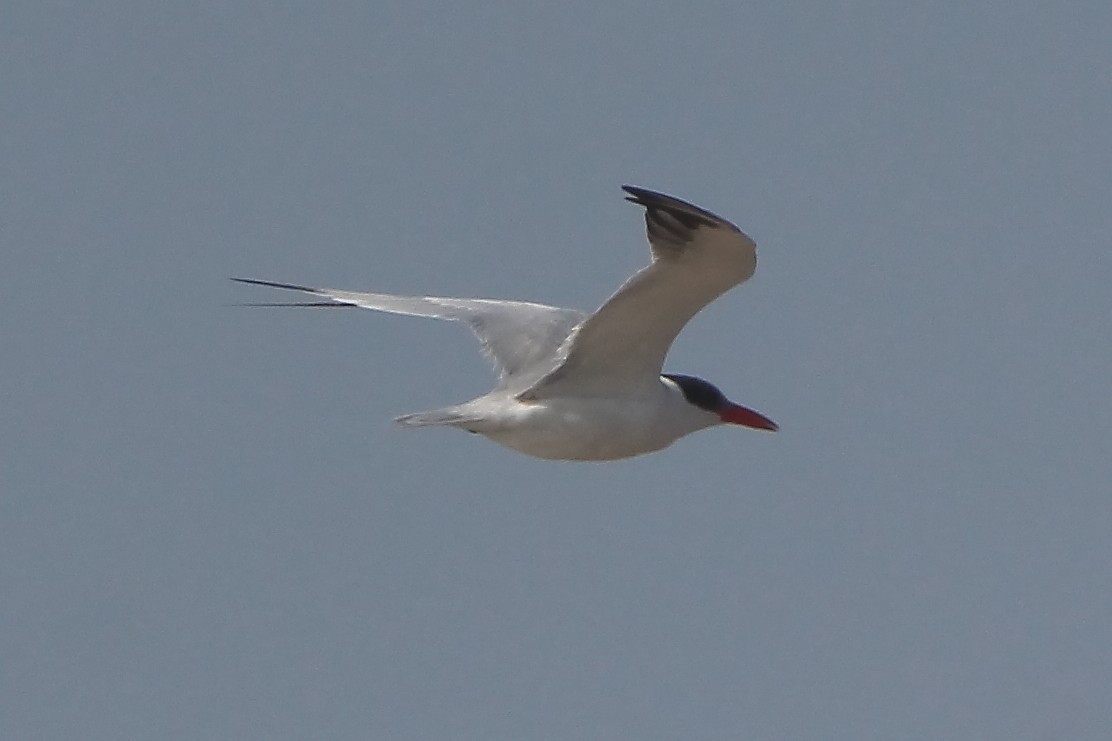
x=706 y=396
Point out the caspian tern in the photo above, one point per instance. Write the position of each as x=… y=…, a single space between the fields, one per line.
x=589 y=387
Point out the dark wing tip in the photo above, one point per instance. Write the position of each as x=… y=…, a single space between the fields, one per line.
x=687 y=213
x=642 y=196
x=303 y=304
x=271 y=284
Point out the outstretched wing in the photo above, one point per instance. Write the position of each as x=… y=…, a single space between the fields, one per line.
x=520 y=338
x=696 y=257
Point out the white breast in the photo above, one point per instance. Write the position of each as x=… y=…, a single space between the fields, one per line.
x=595 y=429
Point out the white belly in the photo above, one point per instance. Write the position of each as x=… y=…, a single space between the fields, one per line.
x=589 y=429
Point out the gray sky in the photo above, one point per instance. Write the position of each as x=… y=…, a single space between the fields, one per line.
x=210 y=529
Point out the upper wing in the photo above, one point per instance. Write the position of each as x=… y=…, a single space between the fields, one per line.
x=520 y=338
x=696 y=257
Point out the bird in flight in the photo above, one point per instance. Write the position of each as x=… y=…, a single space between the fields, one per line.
x=590 y=387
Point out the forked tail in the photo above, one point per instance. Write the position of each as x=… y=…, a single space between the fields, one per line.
x=450 y=416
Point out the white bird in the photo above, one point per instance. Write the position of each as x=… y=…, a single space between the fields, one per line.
x=590 y=387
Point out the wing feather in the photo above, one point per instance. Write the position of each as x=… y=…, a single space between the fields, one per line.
x=519 y=337
x=696 y=257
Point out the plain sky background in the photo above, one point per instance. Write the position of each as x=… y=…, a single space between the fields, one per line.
x=209 y=528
